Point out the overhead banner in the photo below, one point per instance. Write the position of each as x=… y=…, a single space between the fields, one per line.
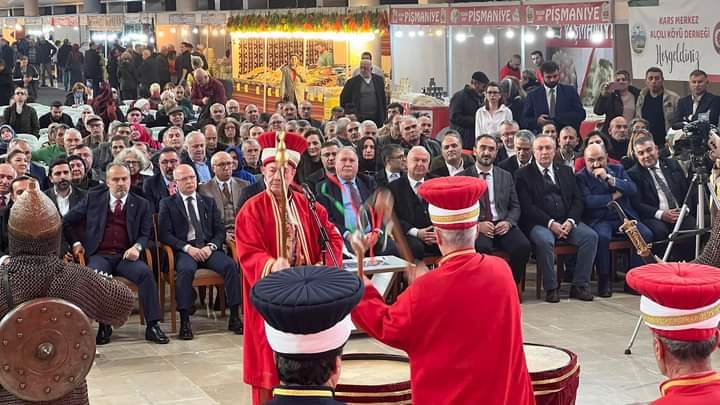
x=678 y=36
x=491 y=15
x=107 y=22
x=181 y=18
x=419 y=16
x=65 y=20
x=593 y=12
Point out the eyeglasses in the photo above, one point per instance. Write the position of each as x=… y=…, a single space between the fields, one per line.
x=132 y=162
x=20 y=93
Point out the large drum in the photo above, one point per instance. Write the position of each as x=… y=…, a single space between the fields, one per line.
x=374 y=379
x=555 y=374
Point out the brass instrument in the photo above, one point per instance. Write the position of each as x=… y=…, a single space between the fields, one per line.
x=629 y=228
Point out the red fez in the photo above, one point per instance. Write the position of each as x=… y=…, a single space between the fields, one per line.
x=453 y=202
x=680 y=301
x=294 y=143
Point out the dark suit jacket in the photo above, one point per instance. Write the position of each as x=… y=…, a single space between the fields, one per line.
x=350 y=97
x=507 y=204
x=646 y=200
x=4 y=218
x=568 y=108
x=76 y=196
x=212 y=190
x=330 y=196
x=410 y=211
x=531 y=189
x=250 y=191
x=174 y=222
x=598 y=193
x=315 y=178
x=154 y=190
x=511 y=164
x=438 y=168
x=93 y=210
x=185 y=159
x=38 y=172
x=708 y=102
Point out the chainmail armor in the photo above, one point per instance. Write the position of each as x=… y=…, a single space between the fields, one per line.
x=710 y=254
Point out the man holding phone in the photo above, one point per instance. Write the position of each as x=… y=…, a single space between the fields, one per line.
x=617 y=99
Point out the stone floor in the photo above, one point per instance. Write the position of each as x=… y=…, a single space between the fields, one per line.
x=208 y=370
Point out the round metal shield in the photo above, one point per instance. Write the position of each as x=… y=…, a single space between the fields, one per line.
x=46 y=349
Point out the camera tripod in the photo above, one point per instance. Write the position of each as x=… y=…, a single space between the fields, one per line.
x=700 y=184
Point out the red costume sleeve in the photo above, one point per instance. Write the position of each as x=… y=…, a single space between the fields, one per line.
x=390 y=324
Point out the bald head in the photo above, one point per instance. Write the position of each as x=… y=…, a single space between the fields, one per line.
x=619 y=128
x=595 y=158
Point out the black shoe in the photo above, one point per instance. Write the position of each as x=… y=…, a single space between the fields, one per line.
x=607 y=293
x=186 y=332
x=552 y=296
x=581 y=293
x=236 y=325
x=103 y=335
x=156 y=335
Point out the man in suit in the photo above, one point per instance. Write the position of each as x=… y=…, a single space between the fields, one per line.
x=452 y=160
x=599 y=184
x=553 y=102
x=393 y=157
x=506 y=145
x=224 y=189
x=117 y=228
x=662 y=186
x=698 y=102
x=342 y=196
x=7 y=174
x=251 y=190
x=328 y=152
x=523 y=142
x=410 y=209
x=500 y=209
x=162 y=185
x=567 y=150
x=364 y=95
x=196 y=157
x=551 y=207
x=63 y=193
x=190 y=223
x=410 y=137
x=16 y=186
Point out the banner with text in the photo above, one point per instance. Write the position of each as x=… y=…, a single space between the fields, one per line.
x=678 y=36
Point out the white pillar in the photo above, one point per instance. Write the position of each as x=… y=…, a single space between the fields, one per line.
x=186 y=6
x=31 y=8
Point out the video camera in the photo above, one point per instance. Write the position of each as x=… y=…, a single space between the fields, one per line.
x=693 y=144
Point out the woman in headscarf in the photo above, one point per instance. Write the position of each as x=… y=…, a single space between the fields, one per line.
x=368 y=153
x=7 y=133
x=310 y=159
x=238 y=169
x=105 y=106
x=139 y=133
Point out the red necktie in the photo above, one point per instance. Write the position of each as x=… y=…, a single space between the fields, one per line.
x=172 y=188
x=486 y=199
x=3 y=204
x=118 y=207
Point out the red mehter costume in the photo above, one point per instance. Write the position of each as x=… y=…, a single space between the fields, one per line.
x=460 y=323
x=681 y=302
x=257 y=240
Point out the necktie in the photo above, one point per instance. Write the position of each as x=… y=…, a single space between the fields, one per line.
x=172 y=188
x=664 y=188
x=552 y=102
x=227 y=195
x=487 y=210
x=547 y=178
x=3 y=204
x=354 y=194
x=199 y=236
x=118 y=207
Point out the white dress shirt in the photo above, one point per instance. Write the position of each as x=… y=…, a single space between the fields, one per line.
x=489 y=123
x=663 y=203
x=550 y=170
x=63 y=203
x=191 y=229
x=489 y=180
x=454 y=170
x=391 y=176
x=113 y=199
x=413 y=185
x=547 y=97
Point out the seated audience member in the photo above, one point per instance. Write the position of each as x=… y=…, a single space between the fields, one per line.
x=190 y=223
x=410 y=209
x=55 y=146
x=549 y=129
x=7 y=174
x=599 y=184
x=523 y=145
x=134 y=160
x=452 y=160
x=232 y=108
x=238 y=169
x=551 y=207
x=251 y=155
x=196 y=157
x=16 y=186
x=77 y=96
x=393 y=157
x=7 y=134
x=86 y=153
x=19 y=162
x=56 y=115
x=506 y=147
x=328 y=152
x=174 y=137
x=96 y=132
x=228 y=131
x=252 y=114
x=410 y=137
x=255 y=131
x=212 y=146
x=20 y=116
x=343 y=195
x=176 y=118
x=162 y=184
x=594 y=138
x=619 y=138
x=310 y=159
x=85 y=113
x=33 y=169
x=567 y=149
x=500 y=209
x=368 y=156
x=71 y=140
x=79 y=173
x=369 y=128
x=662 y=187
x=117 y=230
x=425 y=126
x=224 y=189
x=63 y=193
x=639 y=123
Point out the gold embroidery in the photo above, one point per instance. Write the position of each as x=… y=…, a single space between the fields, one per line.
x=443 y=219
x=679 y=320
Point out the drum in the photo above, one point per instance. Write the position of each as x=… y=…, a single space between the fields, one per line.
x=555 y=374
x=374 y=379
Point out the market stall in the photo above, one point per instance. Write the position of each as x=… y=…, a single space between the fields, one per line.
x=262 y=45
x=436 y=49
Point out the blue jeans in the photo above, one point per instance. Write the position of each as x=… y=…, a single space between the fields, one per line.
x=581 y=236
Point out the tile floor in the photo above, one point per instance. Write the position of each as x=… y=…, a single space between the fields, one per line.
x=208 y=370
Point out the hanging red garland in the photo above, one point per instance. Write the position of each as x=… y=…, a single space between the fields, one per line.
x=352 y=22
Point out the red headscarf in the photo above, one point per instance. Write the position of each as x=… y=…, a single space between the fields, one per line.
x=145 y=137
